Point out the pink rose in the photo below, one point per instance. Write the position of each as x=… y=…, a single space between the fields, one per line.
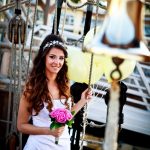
x=61 y=115
x=69 y=116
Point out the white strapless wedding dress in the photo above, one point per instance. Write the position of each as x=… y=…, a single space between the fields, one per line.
x=47 y=142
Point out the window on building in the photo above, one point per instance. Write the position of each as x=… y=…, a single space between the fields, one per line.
x=69 y=19
x=40 y=16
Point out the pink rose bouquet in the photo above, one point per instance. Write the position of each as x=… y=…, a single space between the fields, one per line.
x=60 y=117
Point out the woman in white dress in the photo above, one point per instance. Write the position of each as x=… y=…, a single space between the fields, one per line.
x=47 y=88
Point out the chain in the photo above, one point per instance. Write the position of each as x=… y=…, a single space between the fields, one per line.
x=92 y=2
x=80 y=40
x=85 y=123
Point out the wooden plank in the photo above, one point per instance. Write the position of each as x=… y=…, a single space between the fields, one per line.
x=129 y=91
x=129 y=85
x=134 y=119
x=144 y=79
x=146 y=104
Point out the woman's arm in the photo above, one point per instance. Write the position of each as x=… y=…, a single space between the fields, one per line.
x=86 y=96
x=27 y=128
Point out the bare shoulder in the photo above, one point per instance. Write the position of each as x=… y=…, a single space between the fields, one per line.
x=25 y=105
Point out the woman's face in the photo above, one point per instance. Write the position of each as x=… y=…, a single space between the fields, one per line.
x=54 y=60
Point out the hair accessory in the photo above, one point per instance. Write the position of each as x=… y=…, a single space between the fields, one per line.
x=53 y=43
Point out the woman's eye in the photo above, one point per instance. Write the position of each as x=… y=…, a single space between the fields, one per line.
x=52 y=57
x=61 y=58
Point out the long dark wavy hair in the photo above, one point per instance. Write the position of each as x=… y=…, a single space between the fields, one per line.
x=36 y=89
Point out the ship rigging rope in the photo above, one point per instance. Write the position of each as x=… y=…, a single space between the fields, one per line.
x=27 y=19
x=55 y=18
x=85 y=122
x=15 y=73
x=15 y=84
x=30 y=51
x=11 y=82
x=14 y=92
x=64 y=20
x=10 y=5
x=19 y=87
x=26 y=29
x=19 y=68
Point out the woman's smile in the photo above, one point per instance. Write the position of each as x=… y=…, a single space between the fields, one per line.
x=54 y=60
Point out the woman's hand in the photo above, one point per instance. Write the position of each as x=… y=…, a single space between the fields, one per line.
x=57 y=132
x=86 y=95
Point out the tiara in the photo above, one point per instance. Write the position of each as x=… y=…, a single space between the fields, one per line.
x=53 y=43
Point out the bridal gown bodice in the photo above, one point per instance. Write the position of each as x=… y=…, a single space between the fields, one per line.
x=47 y=142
